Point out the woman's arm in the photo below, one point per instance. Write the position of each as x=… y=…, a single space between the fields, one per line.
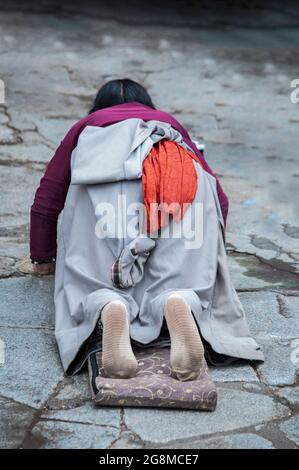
x=50 y=198
x=48 y=203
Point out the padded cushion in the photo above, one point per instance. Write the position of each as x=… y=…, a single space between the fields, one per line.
x=155 y=385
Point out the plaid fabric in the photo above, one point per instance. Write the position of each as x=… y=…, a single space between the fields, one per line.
x=116 y=273
x=123 y=279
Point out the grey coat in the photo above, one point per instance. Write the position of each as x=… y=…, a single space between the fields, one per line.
x=97 y=264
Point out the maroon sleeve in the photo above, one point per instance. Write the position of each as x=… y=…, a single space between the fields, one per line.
x=50 y=198
x=223 y=200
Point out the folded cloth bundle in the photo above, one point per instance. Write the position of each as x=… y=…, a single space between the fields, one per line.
x=169 y=182
x=154 y=385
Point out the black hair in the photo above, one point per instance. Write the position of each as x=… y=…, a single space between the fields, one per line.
x=121 y=91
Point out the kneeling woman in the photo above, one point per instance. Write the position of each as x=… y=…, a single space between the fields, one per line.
x=124 y=274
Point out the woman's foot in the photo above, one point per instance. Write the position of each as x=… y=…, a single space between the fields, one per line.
x=118 y=359
x=187 y=351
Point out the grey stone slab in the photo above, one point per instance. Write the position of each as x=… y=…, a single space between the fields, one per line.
x=87 y=414
x=54 y=129
x=127 y=440
x=270 y=244
x=21 y=120
x=233 y=374
x=32 y=367
x=13 y=248
x=278 y=369
x=18 y=185
x=253 y=387
x=240 y=267
x=8 y=136
x=250 y=272
x=15 y=420
x=290 y=395
x=61 y=435
x=236 y=409
x=232 y=441
x=291 y=429
x=27 y=302
x=291 y=306
x=7 y=266
x=271 y=315
x=73 y=392
x=29 y=153
x=3 y=118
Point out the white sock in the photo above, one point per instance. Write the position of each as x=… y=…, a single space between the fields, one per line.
x=187 y=351
x=118 y=359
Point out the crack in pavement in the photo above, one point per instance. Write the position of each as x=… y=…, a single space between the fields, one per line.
x=265 y=244
x=28 y=438
x=18 y=327
x=17 y=402
x=15 y=162
x=16 y=231
x=273 y=262
x=277 y=440
x=286 y=292
x=85 y=423
x=282 y=308
x=17 y=132
x=126 y=433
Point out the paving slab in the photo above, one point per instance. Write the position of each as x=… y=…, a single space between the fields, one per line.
x=290 y=395
x=87 y=414
x=13 y=431
x=7 y=266
x=12 y=248
x=27 y=302
x=278 y=369
x=68 y=435
x=291 y=429
x=33 y=152
x=127 y=440
x=73 y=391
x=252 y=409
x=233 y=374
x=247 y=273
x=271 y=315
x=253 y=387
x=32 y=367
x=18 y=187
x=54 y=129
x=232 y=441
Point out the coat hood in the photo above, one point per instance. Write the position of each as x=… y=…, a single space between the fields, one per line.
x=116 y=152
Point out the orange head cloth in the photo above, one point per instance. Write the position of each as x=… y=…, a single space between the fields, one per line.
x=169 y=182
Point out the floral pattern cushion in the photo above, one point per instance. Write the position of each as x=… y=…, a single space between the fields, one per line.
x=155 y=385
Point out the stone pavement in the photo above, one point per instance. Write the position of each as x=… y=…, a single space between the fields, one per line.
x=226 y=75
